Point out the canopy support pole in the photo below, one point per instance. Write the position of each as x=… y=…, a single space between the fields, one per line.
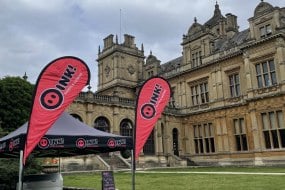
x=133 y=170
x=20 y=183
x=59 y=165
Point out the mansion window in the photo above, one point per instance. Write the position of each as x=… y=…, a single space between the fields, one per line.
x=200 y=93
x=196 y=59
x=240 y=134
x=77 y=117
x=234 y=85
x=126 y=128
x=204 y=138
x=148 y=148
x=265 y=31
x=265 y=74
x=102 y=124
x=150 y=74
x=273 y=129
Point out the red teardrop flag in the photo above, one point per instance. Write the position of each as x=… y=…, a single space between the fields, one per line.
x=152 y=99
x=57 y=86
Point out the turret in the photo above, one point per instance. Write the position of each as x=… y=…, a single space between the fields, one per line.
x=231 y=27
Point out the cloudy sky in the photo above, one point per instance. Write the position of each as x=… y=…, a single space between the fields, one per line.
x=35 y=32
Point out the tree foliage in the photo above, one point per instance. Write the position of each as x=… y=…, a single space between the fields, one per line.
x=15 y=102
x=15 y=105
x=9 y=171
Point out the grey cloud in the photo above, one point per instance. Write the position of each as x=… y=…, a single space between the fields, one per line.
x=33 y=33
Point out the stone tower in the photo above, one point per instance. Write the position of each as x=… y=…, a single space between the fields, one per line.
x=119 y=67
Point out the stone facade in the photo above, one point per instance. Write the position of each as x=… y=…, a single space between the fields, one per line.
x=227 y=105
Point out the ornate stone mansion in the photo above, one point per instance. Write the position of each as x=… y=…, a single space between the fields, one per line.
x=228 y=92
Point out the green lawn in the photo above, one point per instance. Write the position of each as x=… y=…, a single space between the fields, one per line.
x=187 y=181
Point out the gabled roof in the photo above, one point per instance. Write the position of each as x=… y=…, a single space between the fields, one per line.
x=262 y=8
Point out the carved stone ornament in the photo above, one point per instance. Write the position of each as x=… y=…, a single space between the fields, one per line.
x=131 y=69
x=107 y=70
x=280 y=42
x=282 y=18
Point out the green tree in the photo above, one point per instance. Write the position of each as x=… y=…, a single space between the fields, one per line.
x=9 y=171
x=15 y=105
x=15 y=102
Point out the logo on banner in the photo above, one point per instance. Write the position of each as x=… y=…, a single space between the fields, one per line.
x=112 y=143
x=80 y=143
x=83 y=143
x=13 y=144
x=148 y=110
x=53 y=98
x=45 y=143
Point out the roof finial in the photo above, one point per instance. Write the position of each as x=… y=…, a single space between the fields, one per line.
x=195 y=19
x=217 y=11
x=25 y=77
x=261 y=0
x=217 y=5
x=150 y=52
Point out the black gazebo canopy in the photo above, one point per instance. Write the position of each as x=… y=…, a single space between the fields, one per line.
x=67 y=137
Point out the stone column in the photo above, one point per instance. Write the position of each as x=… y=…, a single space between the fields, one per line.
x=229 y=136
x=89 y=112
x=225 y=134
x=116 y=65
x=157 y=139
x=179 y=93
x=280 y=53
x=213 y=91
x=190 y=135
x=187 y=139
x=255 y=131
x=219 y=133
x=219 y=84
x=247 y=71
x=183 y=91
x=115 y=128
x=167 y=137
x=100 y=74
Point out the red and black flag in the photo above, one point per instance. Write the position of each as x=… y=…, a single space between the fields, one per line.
x=152 y=99
x=57 y=86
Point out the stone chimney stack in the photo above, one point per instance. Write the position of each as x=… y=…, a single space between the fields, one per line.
x=108 y=41
x=129 y=41
x=232 y=26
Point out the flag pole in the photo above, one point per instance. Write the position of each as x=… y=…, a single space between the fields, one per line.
x=20 y=182
x=133 y=169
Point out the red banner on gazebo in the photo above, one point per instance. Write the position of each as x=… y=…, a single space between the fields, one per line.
x=152 y=99
x=57 y=86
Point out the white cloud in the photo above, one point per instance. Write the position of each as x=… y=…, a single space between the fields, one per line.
x=33 y=33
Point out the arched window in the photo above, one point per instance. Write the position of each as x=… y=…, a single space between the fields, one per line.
x=148 y=148
x=126 y=127
x=76 y=116
x=102 y=124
